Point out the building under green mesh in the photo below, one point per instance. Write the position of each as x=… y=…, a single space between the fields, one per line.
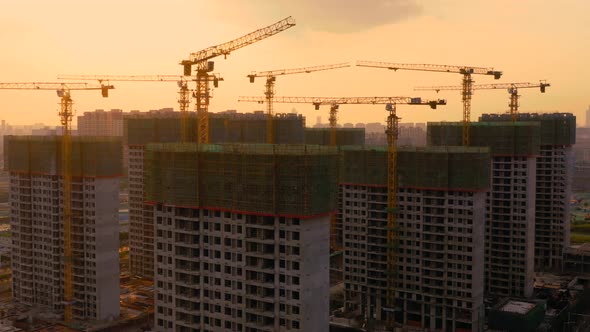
x=448 y=168
x=344 y=136
x=295 y=180
x=251 y=128
x=91 y=156
x=141 y=131
x=503 y=138
x=226 y=127
x=516 y=316
x=556 y=128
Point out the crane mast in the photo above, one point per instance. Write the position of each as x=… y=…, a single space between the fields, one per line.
x=467 y=82
x=66 y=114
x=203 y=67
x=511 y=87
x=269 y=92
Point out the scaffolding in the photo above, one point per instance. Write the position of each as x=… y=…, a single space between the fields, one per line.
x=90 y=156
x=556 y=128
x=444 y=167
x=344 y=136
x=503 y=138
x=226 y=127
x=288 y=180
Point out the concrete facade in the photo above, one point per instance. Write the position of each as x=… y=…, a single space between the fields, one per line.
x=251 y=258
x=553 y=184
x=510 y=227
x=141 y=221
x=554 y=187
x=511 y=201
x=240 y=272
x=439 y=261
x=37 y=256
x=438 y=246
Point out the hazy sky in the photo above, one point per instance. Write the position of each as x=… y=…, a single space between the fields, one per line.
x=528 y=40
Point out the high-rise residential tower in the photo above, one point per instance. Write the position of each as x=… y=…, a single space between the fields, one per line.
x=510 y=203
x=241 y=235
x=36 y=217
x=164 y=127
x=555 y=167
x=439 y=235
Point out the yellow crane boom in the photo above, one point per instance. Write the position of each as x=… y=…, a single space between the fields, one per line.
x=204 y=67
x=511 y=87
x=65 y=114
x=269 y=92
x=467 y=83
x=183 y=93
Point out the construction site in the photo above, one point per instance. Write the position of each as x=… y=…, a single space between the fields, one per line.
x=255 y=222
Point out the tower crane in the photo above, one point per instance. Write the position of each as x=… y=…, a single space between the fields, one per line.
x=269 y=92
x=65 y=114
x=392 y=135
x=511 y=87
x=202 y=58
x=182 y=81
x=467 y=83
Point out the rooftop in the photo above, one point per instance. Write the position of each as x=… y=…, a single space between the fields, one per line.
x=581 y=249
x=518 y=307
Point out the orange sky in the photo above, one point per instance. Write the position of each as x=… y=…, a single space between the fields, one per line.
x=527 y=39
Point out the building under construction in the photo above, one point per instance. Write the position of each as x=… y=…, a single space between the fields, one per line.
x=344 y=136
x=164 y=127
x=242 y=235
x=439 y=265
x=510 y=215
x=36 y=199
x=553 y=185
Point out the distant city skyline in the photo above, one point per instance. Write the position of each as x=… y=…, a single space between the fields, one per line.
x=527 y=40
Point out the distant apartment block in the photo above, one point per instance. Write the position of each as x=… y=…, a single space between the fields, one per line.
x=36 y=216
x=439 y=241
x=555 y=166
x=47 y=131
x=164 y=127
x=510 y=204
x=242 y=240
x=412 y=134
x=581 y=177
x=101 y=123
x=582 y=146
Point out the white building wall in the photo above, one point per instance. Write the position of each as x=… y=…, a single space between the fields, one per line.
x=37 y=225
x=106 y=231
x=510 y=229
x=141 y=222
x=440 y=266
x=554 y=183
x=239 y=272
x=315 y=267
